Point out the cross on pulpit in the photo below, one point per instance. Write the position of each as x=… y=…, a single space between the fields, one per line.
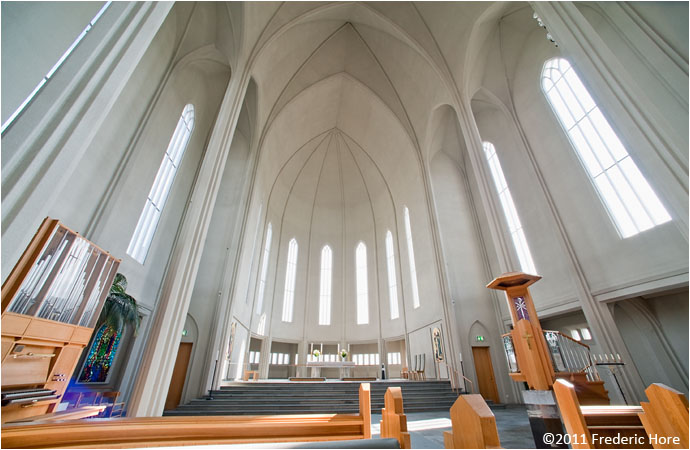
x=527 y=337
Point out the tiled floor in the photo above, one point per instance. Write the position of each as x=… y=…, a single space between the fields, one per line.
x=426 y=429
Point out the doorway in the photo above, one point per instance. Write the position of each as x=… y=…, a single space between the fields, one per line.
x=485 y=373
x=179 y=376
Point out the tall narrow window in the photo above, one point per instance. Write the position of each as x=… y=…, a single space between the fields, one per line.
x=264 y=270
x=629 y=198
x=148 y=221
x=325 y=288
x=410 y=254
x=392 y=281
x=257 y=232
x=290 y=278
x=514 y=225
x=362 y=284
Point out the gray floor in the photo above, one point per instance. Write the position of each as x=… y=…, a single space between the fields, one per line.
x=426 y=428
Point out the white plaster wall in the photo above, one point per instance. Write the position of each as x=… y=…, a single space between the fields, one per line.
x=34 y=44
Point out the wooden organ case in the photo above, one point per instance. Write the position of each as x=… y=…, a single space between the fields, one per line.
x=50 y=304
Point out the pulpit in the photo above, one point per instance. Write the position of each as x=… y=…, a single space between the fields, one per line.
x=527 y=350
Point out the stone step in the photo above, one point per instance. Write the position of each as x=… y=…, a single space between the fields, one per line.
x=267 y=398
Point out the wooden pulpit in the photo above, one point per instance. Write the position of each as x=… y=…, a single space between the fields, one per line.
x=530 y=348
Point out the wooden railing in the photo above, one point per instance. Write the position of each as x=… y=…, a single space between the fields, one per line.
x=454 y=375
x=570 y=355
x=193 y=430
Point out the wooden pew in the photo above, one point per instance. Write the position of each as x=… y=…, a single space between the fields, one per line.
x=665 y=416
x=474 y=425
x=193 y=430
x=593 y=425
x=73 y=413
x=393 y=419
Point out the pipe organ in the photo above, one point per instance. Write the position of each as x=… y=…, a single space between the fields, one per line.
x=50 y=304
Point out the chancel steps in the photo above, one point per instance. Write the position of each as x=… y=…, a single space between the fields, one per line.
x=266 y=398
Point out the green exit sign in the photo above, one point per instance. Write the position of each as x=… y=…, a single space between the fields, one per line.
x=184 y=332
x=479 y=338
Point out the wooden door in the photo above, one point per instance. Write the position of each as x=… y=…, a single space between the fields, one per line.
x=485 y=373
x=179 y=375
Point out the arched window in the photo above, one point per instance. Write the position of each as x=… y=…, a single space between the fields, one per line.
x=264 y=269
x=362 y=284
x=325 y=288
x=410 y=255
x=148 y=220
x=392 y=281
x=290 y=278
x=514 y=225
x=629 y=198
x=101 y=356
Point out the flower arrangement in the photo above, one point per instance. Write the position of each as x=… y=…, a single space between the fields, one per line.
x=343 y=353
x=316 y=353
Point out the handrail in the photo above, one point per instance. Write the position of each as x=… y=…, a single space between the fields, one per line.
x=454 y=380
x=567 y=337
x=471 y=383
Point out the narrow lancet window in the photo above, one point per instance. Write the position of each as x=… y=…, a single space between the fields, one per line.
x=290 y=279
x=148 y=220
x=392 y=279
x=362 y=284
x=325 y=288
x=514 y=225
x=410 y=254
x=264 y=270
x=625 y=192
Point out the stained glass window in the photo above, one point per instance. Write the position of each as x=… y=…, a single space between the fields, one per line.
x=101 y=356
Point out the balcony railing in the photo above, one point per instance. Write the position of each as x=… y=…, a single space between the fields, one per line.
x=567 y=355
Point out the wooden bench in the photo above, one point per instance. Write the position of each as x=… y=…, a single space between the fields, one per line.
x=594 y=424
x=193 y=430
x=254 y=374
x=393 y=419
x=665 y=416
x=474 y=425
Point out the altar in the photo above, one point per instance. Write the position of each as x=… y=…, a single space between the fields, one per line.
x=344 y=367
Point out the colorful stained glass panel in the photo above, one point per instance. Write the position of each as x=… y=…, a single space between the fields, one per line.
x=101 y=356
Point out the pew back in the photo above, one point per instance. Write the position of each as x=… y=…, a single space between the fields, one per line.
x=665 y=416
x=474 y=425
x=594 y=424
x=393 y=418
x=192 y=430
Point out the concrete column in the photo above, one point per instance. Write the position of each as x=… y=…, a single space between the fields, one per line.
x=154 y=376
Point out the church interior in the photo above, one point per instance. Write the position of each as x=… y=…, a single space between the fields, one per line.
x=419 y=205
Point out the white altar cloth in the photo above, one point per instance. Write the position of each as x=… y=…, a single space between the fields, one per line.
x=344 y=367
